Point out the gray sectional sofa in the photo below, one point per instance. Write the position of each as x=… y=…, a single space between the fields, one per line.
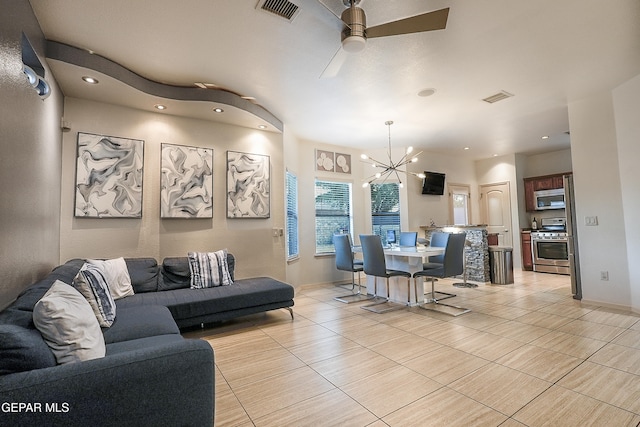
x=150 y=375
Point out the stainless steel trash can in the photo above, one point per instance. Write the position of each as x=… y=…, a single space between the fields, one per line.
x=501 y=264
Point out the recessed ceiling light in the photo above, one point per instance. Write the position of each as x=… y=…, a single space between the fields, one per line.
x=466 y=148
x=545 y=137
x=495 y=155
x=160 y=107
x=427 y=92
x=262 y=127
x=218 y=110
x=90 y=80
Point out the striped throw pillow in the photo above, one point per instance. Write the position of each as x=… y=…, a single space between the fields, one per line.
x=209 y=269
x=92 y=284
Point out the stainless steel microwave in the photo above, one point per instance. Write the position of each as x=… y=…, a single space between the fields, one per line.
x=549 y=199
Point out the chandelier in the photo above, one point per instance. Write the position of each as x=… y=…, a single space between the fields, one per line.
x=390 y=168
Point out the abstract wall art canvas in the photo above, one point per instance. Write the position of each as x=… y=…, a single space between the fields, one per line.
x=325 y=161
x=108 y=177
x=248 y=185
x=186 y=182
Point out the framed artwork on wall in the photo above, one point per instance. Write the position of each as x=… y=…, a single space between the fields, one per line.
x=248 y=185
x=186 y=182
x=325 y=161
x=108 y=177
x=343 y=163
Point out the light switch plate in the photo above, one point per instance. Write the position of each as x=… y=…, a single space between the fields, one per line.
x=591 y=220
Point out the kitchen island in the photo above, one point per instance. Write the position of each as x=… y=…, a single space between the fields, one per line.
x=476 y=250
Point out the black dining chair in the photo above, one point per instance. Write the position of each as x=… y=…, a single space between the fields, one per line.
x=346 y=262
x=375 y=265
x=452 y=265
x=408 y=238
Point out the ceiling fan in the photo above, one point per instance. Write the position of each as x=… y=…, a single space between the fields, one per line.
x=356 y=33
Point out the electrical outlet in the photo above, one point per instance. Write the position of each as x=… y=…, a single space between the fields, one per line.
x=591 y=220
x=604 y=275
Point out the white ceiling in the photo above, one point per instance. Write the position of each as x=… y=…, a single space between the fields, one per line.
x=545 y=52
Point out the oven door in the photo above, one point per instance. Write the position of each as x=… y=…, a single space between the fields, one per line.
x=551 y=255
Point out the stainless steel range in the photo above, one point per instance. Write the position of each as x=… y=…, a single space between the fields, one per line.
x=550 y=247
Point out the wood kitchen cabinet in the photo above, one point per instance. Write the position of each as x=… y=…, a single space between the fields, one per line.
x=547 y=182
x=527 y=256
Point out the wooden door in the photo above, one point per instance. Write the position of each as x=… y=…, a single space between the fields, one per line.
x=495 y=211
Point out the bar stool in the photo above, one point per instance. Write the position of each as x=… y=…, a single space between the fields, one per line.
x=375 y=265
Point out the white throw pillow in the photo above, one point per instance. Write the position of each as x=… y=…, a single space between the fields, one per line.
x=92 y=284
x=117 y=275
x=67 y=324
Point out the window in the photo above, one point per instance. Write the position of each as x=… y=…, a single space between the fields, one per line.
x=459 y=207
x=385 y=209
x=333 y=213
x=292 y=214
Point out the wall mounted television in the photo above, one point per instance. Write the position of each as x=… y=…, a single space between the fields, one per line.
x=433 y=183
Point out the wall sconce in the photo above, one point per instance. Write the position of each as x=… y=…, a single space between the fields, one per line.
x=38 y=83
x=33 y=69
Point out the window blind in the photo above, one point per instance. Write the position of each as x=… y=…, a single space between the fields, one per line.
x=333 y=212
x=291 y=183
x=385 y=209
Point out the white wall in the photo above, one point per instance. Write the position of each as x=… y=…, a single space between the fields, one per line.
x=596 y=175
x=258 y=253
x=626 y=104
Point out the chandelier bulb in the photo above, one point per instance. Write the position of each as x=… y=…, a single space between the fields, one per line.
x=409 y=150
x=378 y=175
x=415 y=159
x=401 y=185
x=364 y=156
x=365 y=185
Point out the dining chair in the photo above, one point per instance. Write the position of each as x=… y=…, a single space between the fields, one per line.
x=452 y=265
x=375 y=265
x=408 y=238
x=346 y=262
x=438 y=240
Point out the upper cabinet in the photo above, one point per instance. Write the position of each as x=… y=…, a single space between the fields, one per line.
x=547 y=182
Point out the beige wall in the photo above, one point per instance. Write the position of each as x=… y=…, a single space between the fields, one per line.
x=424 y=208
x=596 y=174
x=258 y=253
x=547 y=163
x=626 y=104
x=30 y=139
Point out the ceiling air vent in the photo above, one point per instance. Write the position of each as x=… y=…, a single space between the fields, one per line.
x=283 y=8
x=498 y=97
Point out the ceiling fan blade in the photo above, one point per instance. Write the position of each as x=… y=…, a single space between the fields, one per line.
x=436 y=20
x=332 y=69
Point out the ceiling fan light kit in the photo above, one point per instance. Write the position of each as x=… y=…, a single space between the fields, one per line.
x=355 y=32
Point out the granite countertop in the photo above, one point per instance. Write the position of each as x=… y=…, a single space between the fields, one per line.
x=437 y=227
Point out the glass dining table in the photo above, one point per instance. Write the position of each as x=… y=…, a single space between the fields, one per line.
x=403 y=258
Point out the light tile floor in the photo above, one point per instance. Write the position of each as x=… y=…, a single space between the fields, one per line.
x=527 y=355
